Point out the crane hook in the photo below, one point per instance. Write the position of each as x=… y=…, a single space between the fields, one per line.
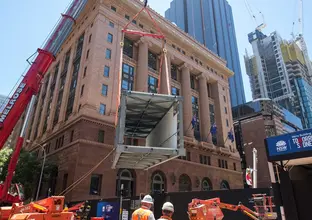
x=145 y=3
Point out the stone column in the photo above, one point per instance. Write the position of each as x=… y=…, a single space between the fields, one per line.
x=220 y=117
x=187 y=102
x=142 y=68
x=204 y=110
x=165 y=85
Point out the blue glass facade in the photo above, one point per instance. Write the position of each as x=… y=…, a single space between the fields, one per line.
x=211 y=23
x=305 y=95
x=293 y=119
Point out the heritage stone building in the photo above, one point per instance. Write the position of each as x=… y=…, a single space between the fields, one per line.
x=76 y=106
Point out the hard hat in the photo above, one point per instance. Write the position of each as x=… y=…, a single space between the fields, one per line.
x=147 y=199
x=168 y=206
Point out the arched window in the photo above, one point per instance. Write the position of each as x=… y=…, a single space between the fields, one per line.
x=206 y=184
x=127 y=178
x=224 y=185
x=185 y=183
x=158 y=182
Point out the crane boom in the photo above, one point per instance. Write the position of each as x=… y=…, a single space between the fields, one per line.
x=30 y=86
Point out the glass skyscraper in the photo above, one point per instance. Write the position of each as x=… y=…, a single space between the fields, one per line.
x=211 y=23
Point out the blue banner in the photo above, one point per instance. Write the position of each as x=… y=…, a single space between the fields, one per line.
x=299 y=142
x=108 y=210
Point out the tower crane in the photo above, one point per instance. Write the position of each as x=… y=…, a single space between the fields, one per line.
x=253 y=16
x=299 y=39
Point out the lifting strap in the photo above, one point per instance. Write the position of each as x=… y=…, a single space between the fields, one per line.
x=163 y=59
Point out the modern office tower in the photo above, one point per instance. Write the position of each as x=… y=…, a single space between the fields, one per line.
x=278 y=70
x=211 y=23
x=76 y=107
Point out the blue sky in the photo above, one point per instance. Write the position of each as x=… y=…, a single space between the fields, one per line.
x=26 y=24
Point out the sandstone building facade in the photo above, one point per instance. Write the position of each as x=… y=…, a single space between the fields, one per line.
x=76 y=107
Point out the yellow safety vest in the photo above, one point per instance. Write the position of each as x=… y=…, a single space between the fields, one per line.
x=141 y=214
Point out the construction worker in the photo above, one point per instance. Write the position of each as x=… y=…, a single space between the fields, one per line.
x=167 y=211
x=144 y=213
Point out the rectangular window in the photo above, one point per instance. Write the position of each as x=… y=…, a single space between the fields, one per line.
x=152 y=84
x=192 y=82
x=87 y=54
x=65 y=178
x=85 y=72
x=127 y=17
x=227 y=123
x=134 y=21
x=104 y=90
x=128 y=47
x=234 y=166
x=219 y=162
x=127 y=77
x=95 y=185
x=90 y=38
x=101 y=135
x=72 y=135
x=174 y=72
x=141 y=26
x=175 y=91
x=226 y=164
x=195 y=109
x=82 y=90
x=152 y=60
x=114 y=8
x=111 y=24
x=224 y=99
x=109 y=38
x=225 y=110
x=108 y=54
x=106 y=71
x=188 y=156
x=102 y=109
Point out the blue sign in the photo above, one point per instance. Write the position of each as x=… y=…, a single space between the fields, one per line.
x=108 y=210
x=298 y=144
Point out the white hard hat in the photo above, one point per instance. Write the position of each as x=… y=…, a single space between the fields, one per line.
x=148 y=199
x=168 y=206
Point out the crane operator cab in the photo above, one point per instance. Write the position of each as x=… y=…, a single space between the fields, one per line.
x=15 y=193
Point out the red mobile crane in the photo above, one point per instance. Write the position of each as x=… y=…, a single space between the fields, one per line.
x=25 y=93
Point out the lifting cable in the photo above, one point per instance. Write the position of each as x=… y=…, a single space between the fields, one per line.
x=77 y=182
x=163 y=58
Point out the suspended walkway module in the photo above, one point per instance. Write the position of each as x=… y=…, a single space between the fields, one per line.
x=155 y=118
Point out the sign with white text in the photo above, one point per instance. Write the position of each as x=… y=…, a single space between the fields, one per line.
x=290 y=146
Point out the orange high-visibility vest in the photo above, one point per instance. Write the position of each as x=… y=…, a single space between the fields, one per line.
x=141 y=214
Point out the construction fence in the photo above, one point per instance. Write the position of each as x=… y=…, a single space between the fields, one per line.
x=109 y=208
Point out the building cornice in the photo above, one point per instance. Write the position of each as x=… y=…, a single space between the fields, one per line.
x=174 y=31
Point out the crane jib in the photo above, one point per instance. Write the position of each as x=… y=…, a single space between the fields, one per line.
x=11 y=103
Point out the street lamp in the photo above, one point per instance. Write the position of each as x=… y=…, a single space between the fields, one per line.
x=42 y=167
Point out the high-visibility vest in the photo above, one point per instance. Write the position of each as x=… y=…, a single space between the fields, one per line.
x=141 y=214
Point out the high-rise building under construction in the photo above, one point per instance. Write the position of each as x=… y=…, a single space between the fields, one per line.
x=279 y=70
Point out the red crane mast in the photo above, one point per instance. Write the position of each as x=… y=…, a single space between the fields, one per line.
x=25 y=93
